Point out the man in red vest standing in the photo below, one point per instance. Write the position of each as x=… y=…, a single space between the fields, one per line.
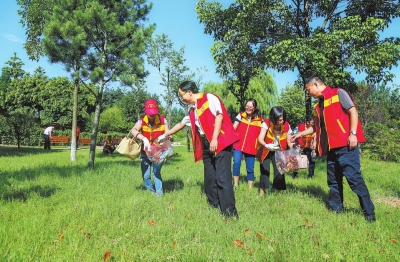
x=338 y=131
x=212 y=136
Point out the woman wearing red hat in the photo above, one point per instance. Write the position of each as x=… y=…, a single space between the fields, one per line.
x=148 y=129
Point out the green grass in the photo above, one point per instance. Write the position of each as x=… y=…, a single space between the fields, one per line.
x=52 y=209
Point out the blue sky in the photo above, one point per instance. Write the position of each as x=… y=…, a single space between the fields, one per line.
x=175 y=18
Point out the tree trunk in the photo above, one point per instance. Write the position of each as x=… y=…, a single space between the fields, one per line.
x=74 y=117
x=95 y=129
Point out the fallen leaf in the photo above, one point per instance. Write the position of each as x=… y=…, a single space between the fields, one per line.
x=394 y=240
x=171 y=207
x=325 y=255
x=151 y=222
x=60 y=236
x=107 y=256
x=246 y=232
x=189 y=215
x=306 y=221
x=341 y=227
x=173 y=244
x=80 y=230
x=238 y=243
x=88 y=235
x=261 y=236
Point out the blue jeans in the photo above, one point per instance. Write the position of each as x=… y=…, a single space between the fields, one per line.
x=344 y=162
x=146 y=166
x=237 y=161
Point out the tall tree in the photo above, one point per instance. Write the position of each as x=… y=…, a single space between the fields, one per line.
x=97 y=40
x=326 y=38
x=171 y=67
x=292 y=99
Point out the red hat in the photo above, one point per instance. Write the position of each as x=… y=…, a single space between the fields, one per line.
x=151 y=107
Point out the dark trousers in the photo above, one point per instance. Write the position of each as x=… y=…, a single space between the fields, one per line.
x=46 y=141
x=279 y=180
x=218 y=179
x=344 y=162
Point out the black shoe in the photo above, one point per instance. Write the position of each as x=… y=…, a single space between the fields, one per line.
x=370 y=218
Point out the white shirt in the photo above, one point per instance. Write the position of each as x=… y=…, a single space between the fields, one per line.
x=214 y=106
x=276 y=133
x=48 y=130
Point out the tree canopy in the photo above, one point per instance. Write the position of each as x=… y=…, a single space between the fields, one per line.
x=331 y=39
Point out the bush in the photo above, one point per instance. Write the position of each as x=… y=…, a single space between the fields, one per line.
x=382 y=143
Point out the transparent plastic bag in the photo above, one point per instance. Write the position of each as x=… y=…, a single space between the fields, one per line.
x=158 y=153
x=287 y=160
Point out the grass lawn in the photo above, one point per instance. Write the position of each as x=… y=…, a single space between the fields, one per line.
x=52 y=209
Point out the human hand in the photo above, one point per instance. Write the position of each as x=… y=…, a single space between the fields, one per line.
x=213 y=145
x=161 y=139
x=146 y=143
x=272 y=147
x=294 y=137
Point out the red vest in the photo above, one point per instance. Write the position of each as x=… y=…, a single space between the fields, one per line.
x=227 y=136
x=248 y=134
x=158 y=128
x=337 y=121
x=270 y=137
x=305 y=141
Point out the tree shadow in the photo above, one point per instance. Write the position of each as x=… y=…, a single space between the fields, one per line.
x=10 y=151
x=22 y=194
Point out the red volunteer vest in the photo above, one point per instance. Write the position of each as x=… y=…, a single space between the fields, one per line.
x=305 y=141
x=270 y=137
x=158 y=128
x=227 y=136
x=337 y=121
x=248 y=134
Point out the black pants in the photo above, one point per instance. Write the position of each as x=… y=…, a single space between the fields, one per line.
x=218 y=179
x=46 y=141
x=279 y=180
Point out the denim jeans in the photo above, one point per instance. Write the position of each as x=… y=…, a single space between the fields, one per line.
x=344 y=162
x=146 y=166
x=237 y=161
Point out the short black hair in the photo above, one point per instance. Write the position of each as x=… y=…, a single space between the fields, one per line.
x=189 y=86
x=314 y=78
x=275 y=113
x=309 y=117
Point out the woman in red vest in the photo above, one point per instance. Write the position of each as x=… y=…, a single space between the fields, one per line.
x=248 y=125
x=148 y=129
x=273 y=135
x=212 y=137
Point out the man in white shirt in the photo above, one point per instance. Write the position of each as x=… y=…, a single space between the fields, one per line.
x=47 y=135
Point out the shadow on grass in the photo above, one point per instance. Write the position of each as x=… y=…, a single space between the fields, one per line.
x=22 y=195
x=14 y=151
x=168 y=185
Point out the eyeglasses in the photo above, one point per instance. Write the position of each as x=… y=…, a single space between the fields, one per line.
x=249 y=108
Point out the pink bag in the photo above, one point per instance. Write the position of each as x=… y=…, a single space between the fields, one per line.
x=302 y=161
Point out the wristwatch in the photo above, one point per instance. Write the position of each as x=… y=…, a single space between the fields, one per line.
x=353 y=132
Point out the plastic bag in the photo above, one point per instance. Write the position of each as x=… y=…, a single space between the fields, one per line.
x=287 y=160
x=158 y=153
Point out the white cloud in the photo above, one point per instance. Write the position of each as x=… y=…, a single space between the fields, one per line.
x=12 y=38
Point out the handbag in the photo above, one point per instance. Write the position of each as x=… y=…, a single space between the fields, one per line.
x=129 y=148
x=303 y=161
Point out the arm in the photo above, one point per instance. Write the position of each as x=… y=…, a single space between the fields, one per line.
x=174 y=129
x=236 y=124
x=217 y=130
x=261 y=136
x=308 y=131
x=352 y=139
